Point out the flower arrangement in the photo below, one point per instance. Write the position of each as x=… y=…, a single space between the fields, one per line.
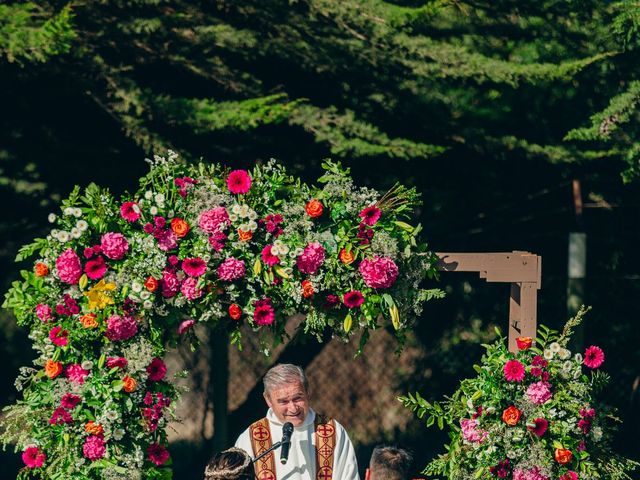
x=530 y=415
x=116 y=281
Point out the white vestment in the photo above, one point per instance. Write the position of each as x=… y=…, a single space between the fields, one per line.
x=301 y=464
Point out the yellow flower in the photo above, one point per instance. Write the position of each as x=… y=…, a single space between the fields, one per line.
x=100 y=295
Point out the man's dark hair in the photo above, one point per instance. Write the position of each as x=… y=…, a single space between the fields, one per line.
x=390 y=463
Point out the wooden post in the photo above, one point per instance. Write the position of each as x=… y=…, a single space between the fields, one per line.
x=522 y=270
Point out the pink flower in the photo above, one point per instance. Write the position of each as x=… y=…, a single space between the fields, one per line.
x=353 y=299
x=584 y=425
x=60 y=417
x=70 y=401
x=539 y=361
x=157 y=370
x=539 y=392
x=167 y=239
x=378 y=272
x=190 y=290
x=513 y=371
x=157 y=454
x=95 y=268
x=471 y=432
x=119 y=362
x=33 y=457
x=69 y=267
x=570 y=475
x=231 y=269
x=239 y=181
x=588 y=412
x=533 y=474
x=94 y=447
x=593 y=357
x=194 y=267
x=264 y=313
x=114 y=245
x=59 y=336
x=311 y=259
x=268 y=257
x=121 y=328
x=540 y=426
x=217 y=241
x=170 y=284
x=536 y=371
x=370 y=215
x=214 y=220
x=130 y=211
x=185 y=325
x=44 y=312
x=75 y=373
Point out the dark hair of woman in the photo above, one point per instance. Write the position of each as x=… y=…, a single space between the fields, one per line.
x=232 y=464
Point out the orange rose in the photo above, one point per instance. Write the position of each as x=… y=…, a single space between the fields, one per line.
x=235 y=312
x=179 y=227
x=151 y=284
x=524 y=343
x=52 y=369
x=511 y=416
x=307 y=289
x=41 y=269
x=314 y=208
x=89 y=320
x=93 y=428
x=563 y=456
x=130 y=384
x=244 y=236
x=346 y=257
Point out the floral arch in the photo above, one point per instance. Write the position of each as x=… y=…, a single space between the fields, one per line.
x=117 y=282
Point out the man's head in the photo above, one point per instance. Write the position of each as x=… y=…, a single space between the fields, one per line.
x=286 y=391
x=389 y=463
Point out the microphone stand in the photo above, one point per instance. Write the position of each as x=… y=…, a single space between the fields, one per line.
x=273 y=447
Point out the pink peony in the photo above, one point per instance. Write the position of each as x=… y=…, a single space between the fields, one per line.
x=378 y=272
x=75 y=373
x=121 y=328
x=264 y=313
x=119 y=362
x=370 y=215
x=513 y=371
x=185 y=325
x=471 y=432
x=311 y=259
x=59 y=336
x=44 y=312
x=217 y=241
x=60 y=417
x=540 y=426
x=593 y=357
x=194 y=267
x=157 y=454
x=94 y=447
x=130 y=211
x=33 y=457
x=157 y=370
x=268 y=257
x=170 y=284
x=69 y=401
x=239 y=181
x=214 y=220
x=533 y=474
x=539 y=392
x=190 y=290
x=114 y=245
x=167 y=239
x=231 y=269
x=353 y=299
x=96 y=268
x=69 y=267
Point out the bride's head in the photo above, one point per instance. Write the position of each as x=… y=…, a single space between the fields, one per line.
x=232 y=464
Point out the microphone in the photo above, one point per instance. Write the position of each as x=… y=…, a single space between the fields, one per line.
x=287 y=430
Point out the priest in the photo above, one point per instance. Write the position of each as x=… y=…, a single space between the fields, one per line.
x=320 y=448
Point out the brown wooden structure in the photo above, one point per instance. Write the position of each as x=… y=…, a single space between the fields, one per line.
x=522 y=270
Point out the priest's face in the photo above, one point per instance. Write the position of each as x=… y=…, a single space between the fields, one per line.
x=289 y=402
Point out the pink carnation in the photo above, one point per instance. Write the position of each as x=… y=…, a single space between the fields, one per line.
x=378 y=272
x=311 y=259
x=214 y=220
x=69 y=267
x=185 y=325
x=157 y=454
x=69 y=401
x=59 y=336
x=33 y=457
x=157 y=370
x=96 y=268
x=593 y=357
x=76 y=374
x=114 y=245
x=533 y=474
x=239 y=181
x=513 y=371
x=170 y=284
x=268 y=257
x=60 y=416
x=370 y=215
x=471 y=432
x=190 y=290
x=121 y=328
x=217 y=241
x=130 y=211
x=167 y=239
x=94 y=447
x=539 y=392
x=231 y=269
x=119 y=362
x=194 y=267
x=44 y=312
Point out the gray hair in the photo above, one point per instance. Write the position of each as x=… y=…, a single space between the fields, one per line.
x=390 y=463
x=284 y=374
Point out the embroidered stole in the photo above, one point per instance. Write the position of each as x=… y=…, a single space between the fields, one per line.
x=325 y=437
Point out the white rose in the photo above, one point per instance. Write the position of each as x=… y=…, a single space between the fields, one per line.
x=63 y=236
x=76 y=232
x=52 y=217
x=68 y=211
x=159 y=198
x=147 y=304
x=252 y=226
x=153 y=210
x=145 y=295
x=77 y=212
x=548 y=354
x=555 y=347
x=564 y=354
x=233 y=218
x=82 y=225
x=235 y=209
x=148 y=195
